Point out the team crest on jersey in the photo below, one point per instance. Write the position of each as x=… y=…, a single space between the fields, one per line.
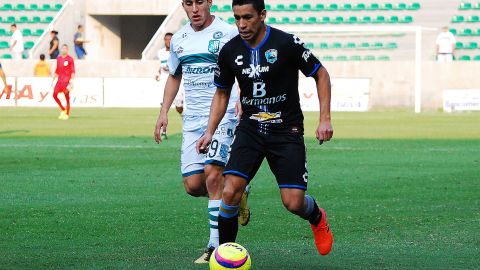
x=271 y=55
x=218 y=35
x=214 y=46
x=179 y=50
x=267 y=117
x=224 y=150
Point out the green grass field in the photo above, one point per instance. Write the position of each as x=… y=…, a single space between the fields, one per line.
x=402 y=192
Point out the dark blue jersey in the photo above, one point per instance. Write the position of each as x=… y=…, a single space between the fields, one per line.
x=268 y=79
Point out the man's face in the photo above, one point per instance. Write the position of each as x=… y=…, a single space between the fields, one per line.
x=80 y=29
x=198 y=11
x=13 y=28
x=248 y=21
x=167 y=40
x=64 y=50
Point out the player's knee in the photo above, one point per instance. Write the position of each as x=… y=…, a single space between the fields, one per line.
x=214 y=178
x=294 y=206
x=194 y=189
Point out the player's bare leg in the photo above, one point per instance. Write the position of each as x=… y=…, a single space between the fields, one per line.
x=229 y=207
x=305 y=206
x=195 y=185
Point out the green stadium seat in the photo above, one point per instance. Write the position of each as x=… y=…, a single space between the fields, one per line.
x=311 y=20
x=20 y=7
x=7 y=56
x=476 y=58
x=336 y=45
x=323 y=45
x=465 y=6
x=466 y=32
x=310 y=45
x=352 y=19
x=346 y=7
x=33 y=7
x=231 y=20
x=325 y=20
x=477 y=6
x=379 y=19
x=327 y=58
x=298 y=20
x=378 y=45
x=458 y=19
x=38 y=32
x=465 y=58
x=392 y=45
x=338 y=20
x=26 y=32
x=35 y=19
x=341 y=58
x=383 y=58
x=366 y=19
x=407 y=19
x=23 y=19
x=332 y=7
x=459 y=45
x=453 y=31
x=350 y=45
x=268 y=7
x=319 y=7
x=473 y=19
x=355 y=58
x=226 y=8
x=387 y=6
x=393 y=19
x=272 y=20
x=369 y=58
x=3 y=32
x=214 y=8
x=400 y=6
x=414 y=6
x=478 y=32
x=360 y=7
x=472 y=45
x=364 y=45
x=306 y=7
x=373 y=7
x=29 y=45
x=4 y=45
x=57 y=7
x=279 y=7
x=292 y=7
x=285 y=20
x=6 y=7
x=10 y=19
x=46 y=7
x=48 y=19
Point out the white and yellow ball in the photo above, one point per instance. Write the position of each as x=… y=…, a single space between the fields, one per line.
x=230 y=256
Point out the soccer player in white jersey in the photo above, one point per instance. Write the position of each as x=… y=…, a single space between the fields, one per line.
x=193 y=56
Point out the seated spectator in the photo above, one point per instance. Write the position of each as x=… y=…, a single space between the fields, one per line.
x=42 y=68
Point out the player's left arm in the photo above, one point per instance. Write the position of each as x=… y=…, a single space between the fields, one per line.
x=4 y=79
x=324 y=130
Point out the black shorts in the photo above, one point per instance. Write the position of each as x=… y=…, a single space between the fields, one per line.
x=286 y=156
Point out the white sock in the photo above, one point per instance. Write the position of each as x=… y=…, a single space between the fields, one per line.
x=213 y=208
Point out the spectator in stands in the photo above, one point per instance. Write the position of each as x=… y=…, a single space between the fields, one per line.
x=42 y=68
x=79 y=41
x=445 y=46
x=16 y=42
x=54 y=50
x=4 y=79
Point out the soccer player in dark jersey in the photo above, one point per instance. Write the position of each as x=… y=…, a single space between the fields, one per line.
x=65 y=72
x=266 y=63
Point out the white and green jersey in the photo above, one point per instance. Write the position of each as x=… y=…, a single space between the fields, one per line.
x=194 y=55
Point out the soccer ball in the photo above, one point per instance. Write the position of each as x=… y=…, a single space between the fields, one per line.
x=230 y=256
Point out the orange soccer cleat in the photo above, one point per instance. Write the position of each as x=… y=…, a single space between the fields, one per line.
x=323 y=235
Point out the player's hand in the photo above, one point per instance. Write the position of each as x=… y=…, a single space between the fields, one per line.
x=160 y=128
x=203 y=143
x=157 y=78
x=324 y=131
x=238 y=110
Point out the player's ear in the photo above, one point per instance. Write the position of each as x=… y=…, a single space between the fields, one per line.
x=263 y=15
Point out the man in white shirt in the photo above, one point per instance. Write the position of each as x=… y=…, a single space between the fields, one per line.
x=445 y=46
x=16 y=42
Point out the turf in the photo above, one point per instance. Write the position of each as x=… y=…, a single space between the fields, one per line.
x=95 y=192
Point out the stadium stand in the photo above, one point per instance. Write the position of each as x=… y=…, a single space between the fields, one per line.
x=32 y=19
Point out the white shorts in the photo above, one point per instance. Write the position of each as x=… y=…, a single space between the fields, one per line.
x=193 y=129
x=444 y=57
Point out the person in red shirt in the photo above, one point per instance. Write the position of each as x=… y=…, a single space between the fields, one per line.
x=65 y=72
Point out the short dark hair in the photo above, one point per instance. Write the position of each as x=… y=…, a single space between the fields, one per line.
x=168 y=34
x=14 y=25
x=79 y=26
x=42 y=56
x=258 y=5
x=65 y=45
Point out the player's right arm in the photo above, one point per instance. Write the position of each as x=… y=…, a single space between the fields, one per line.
x=217 y=111
x=171 y=89
x=4 y=79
